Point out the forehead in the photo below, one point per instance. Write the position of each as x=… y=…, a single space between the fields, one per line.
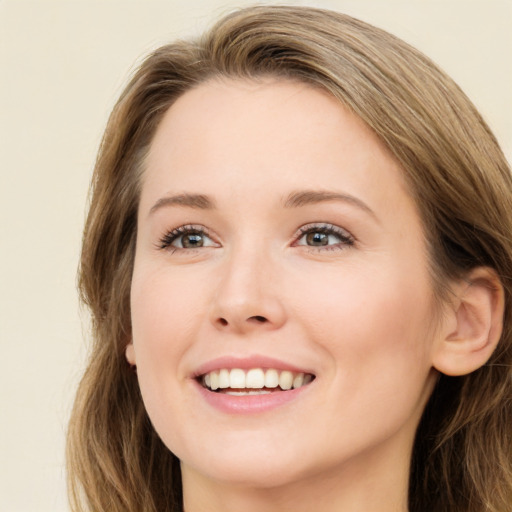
x=267 y=135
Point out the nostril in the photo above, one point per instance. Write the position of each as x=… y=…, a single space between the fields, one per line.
x=258 y=318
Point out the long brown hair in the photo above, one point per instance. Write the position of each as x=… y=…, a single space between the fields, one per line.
x=462 y=459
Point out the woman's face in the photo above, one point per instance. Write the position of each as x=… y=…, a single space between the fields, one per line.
x=277 y=244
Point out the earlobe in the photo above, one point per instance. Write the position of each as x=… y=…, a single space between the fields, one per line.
x=130 y=354
x=474 y=324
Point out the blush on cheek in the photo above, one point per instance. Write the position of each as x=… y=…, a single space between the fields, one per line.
x=375 y=321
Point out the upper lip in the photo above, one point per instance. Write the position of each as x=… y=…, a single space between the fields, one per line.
x=246 y=363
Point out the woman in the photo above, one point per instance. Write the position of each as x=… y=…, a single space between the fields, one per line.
x=298 y=262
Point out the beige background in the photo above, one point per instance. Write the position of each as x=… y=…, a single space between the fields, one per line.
x=62 y=65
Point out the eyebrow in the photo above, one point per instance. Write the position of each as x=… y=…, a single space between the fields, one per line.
x=198 y=201
x=306 y=197
x=295 y=199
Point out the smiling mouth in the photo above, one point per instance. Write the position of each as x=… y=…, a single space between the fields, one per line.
x=255 y=381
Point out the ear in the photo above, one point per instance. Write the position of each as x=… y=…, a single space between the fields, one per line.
x=129 y=353
x=473 y=324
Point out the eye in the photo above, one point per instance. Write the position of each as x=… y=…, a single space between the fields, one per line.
x=324 y=235
x=187 y=237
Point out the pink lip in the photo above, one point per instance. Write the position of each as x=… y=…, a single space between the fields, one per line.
x=251 y=404
x=245 y=363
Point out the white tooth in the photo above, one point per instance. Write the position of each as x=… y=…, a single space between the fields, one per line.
x=255 y=379
x=223 y=378
x=271 y=379
x=307 y=379
x=286 y=380
x=298 y=380
x=206 y=380
x=237 y=378
x=214 y=380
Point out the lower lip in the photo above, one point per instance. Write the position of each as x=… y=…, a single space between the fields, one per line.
x=249 y=404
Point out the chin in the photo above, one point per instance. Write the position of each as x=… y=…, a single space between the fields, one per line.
x=250 y=474
x=256 y=464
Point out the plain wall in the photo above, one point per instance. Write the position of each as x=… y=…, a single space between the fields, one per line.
x=62 y=65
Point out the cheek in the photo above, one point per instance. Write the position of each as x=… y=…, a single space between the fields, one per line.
x=375 y=331
x=164 y=309
x=358 y=296
x=165 y=317
x=375 y=326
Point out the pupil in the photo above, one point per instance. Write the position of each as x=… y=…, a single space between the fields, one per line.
x=192 y=240
x=317 y=238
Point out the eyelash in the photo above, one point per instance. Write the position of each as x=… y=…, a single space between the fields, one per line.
x=169 y=238
x=346 y=240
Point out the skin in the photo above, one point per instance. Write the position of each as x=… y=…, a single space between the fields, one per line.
x=359 y=315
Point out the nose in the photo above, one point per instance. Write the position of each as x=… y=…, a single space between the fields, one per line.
x=247 y=296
